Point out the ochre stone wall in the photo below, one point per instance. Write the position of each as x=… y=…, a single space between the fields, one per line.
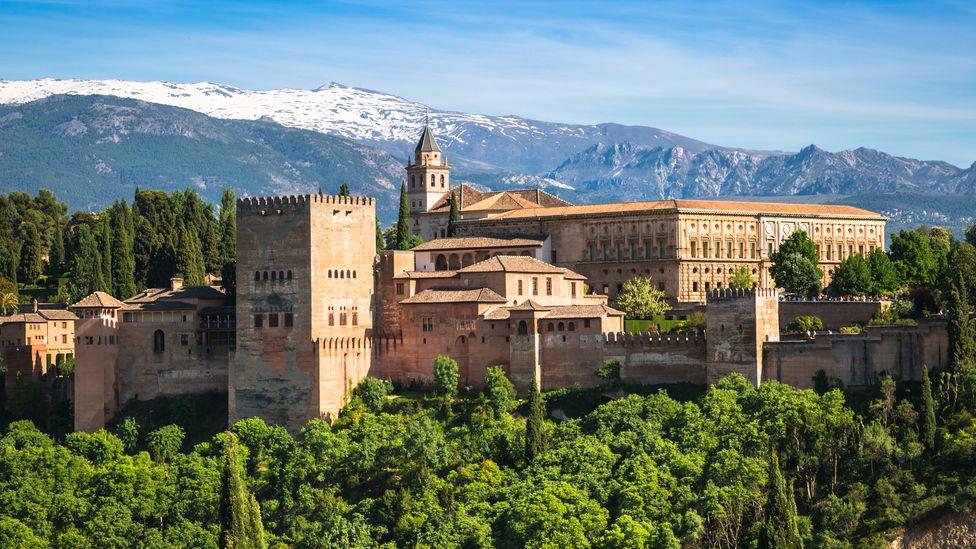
x=96 y=397
x=738 y=322
x=833 y=313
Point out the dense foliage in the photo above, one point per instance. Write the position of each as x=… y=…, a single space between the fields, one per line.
x=641 y=298
x=636 y=472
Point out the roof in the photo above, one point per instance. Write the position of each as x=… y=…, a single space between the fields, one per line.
x=528 y=305
x=57 y=314
x=186 y=292
x=425 y=274
x=163 y=305
x=473 y=242
x=19 y=318
x=513 y=264
x=471 y=199
x=556 y=312
x=427 y=143
x=455 y=295
x=99 y=300
x=769 y=208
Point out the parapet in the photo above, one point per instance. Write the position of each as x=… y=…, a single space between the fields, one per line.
x=728 y=294
x=279 y=204
x=648 y=339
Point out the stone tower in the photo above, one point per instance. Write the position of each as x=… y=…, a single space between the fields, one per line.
x=738 y=322
x=304 y=305
x=428 y=175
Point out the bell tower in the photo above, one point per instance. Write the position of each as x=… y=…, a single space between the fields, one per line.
x=428 y=175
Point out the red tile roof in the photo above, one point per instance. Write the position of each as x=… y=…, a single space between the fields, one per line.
x=455 y=295
x=476 y=242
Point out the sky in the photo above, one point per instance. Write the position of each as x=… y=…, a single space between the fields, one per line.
x=894 y=76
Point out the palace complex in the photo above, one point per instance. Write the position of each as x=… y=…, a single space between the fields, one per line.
x=527 y=283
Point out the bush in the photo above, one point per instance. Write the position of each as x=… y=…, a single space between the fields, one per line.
x=165 y=442
x=372 y=392
x=446 y=376
x=609 y=371
x=852 y=329
x=805 y=324
x=499 y=391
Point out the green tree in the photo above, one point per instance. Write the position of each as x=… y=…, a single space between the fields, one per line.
x=228 y=227
x=928 y=426
x=779 y=529
x=962 y=346
x=86 y=271
x=797 y=275
x=741 y=278
x=380 y=241
x=240 y=515
x=884 y=276
x=105 y=250
x=499 y=391
x=535 y=437
x=911 y=252
x=852 y=276
x=9 y=300
x=344 y=190
x=9 y=257
x=56 y=257
x=189 y=261
x=797 y=243
x=123 y=261
x=30 y=266
x=164 y=443
x=372 y=392
x=446 y=377
x=453 y=218
x=403 y=220
x=641 y=299
x=805 y=324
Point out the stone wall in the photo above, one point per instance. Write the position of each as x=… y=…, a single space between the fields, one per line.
x=738 y=323
x=652 y=359
x=833 y=313
x=96 y=397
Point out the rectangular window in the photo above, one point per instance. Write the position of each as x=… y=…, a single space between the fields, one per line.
x=548 y=285
x=535 y=286
x=633 y=250
x=660 y=248
x=289 y=320
x=706 y=250
x=694 y=248
x=572 y=289
x=184 y=340
x=258 y=321
x=342 y=319
x=273 y=320
x=428 y=324
x=718 y=250
x=742 y=250
x=860 y=249
x=592 y=252
x=520 y=289
x=728 y=250
x=586 y=323
x=399 y=288
x=770 y=249
x=752 y=250
x=355 y=319
x=830 y=252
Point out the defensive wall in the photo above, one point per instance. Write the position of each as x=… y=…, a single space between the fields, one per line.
x=833 y=313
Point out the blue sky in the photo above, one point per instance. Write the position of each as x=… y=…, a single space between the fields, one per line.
x=896 y=76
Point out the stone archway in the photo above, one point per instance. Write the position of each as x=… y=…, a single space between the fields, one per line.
x=453 y=262
x=440 y=263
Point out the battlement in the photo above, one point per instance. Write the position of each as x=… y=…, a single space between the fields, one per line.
x=727 y=294
x=279 y=204
x=648 y=339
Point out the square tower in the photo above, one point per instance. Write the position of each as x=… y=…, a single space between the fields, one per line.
x=304 y=305
x=738 y=322
x=428 y=175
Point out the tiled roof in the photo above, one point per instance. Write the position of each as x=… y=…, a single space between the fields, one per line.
x=471 y=199
x=528 y=305
x=773 y=208
x=186 y=292
x=57 y=314
x=425 y=274
x=557 y=311
x=19 y=318
x=162 y=305
x=512 y=264
x=456 y=295
x=472 y=242
x=427 y=142
x=100 y=300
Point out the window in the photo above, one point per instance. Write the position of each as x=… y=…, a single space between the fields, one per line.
x=572 y=289
x=660 y=248
x=264 y=275
x=355 y=318
x=399 y=288
x=548 y=285
x=184 y=340
x=331 y=319
x=718 y=250
x=342 y=318
x=159 y=341
x=572 y=326
x=289 y=275
x=770 y=250
x=752 y=250
x=427 y=324
x=520 y=287
x=694 y=249
x=561 y=327
x=694 y=286
x=258 y=321
x=257 y=275
x=550 y=327
x=742 y=250
x=586 y=323
x=705 y=250
x=523 y=328
x=535 y=285
x=273 y=320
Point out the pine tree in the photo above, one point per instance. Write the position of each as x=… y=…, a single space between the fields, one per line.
x=105 y=249
x=962 y=347
x=228 y=227
x=344 y=190
x=927 y=429
x=86 y=276
x=453 y=218
x=534 y=426
x=403 y=220
x=30 y=265
x=123 y=259
x=240 y=515
x=189 y=259
x=56 y=259
x=779 y=529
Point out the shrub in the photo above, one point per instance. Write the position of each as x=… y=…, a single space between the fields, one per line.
x=499 y=390
x=446 y=376
x=805 y=324
x=165 y=442
x=609 y=371
x=852 y=329
x=372 y=392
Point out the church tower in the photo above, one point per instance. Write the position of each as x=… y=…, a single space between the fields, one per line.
x=428 y=175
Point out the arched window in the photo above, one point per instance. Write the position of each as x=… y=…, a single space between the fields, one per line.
x=440 y=263
x=159 y=341
x=523 y=328
x=330 y=273
x=354 y=273
x=432 y=179
x=265 y=275
x=348 y=273
x=274 y=275
x=442 y=181
x=550 y=327
x=572 y=326
x=257 y=275
x=289 y=275
x=281 y=275
x=331 y=319
x=561 y=327
x=342 y=274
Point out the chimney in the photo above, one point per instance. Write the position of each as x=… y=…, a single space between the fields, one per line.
x=34 y=303
x=175 y=283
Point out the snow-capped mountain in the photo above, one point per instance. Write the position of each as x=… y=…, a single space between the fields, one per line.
x=475 y=141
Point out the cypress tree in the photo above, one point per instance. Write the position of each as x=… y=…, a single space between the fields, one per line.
x=105 y=249
x=403 y=220
x=86 y=276
x=379 y=236
x=30 y=265
x=962 y=347
x=344 y=190
x=454 y=217
x=240 y=515
x=123 y=258
x=8 y=261
x=189 y=259
x=779 y=529
x=927 y=429
x=228 y=227
x=56 y=259
x=534 y=426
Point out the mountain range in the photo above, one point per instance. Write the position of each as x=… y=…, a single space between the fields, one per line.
x=120 y=134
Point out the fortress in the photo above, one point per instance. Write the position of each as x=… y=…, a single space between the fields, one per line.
x=527 y=286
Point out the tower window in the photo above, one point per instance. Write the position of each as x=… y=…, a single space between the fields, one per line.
x=159 y=341
x=273 y=320
x=289 y=320
x=257 y=275
x=258 y=321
